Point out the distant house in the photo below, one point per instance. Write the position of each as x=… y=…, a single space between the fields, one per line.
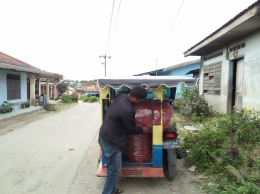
x=83 y=88
x=19 y=81
x=230 y=62
x=189 y=69
x=70 y=90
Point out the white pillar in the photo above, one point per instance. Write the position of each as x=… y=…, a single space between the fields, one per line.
x=47 y=90
x=32 y=90
x=55 y=88
x=39 y=87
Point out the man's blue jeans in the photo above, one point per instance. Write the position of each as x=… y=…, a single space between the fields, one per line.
x=114 y=163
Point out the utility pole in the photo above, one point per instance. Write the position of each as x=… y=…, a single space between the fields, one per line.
x=105 y=57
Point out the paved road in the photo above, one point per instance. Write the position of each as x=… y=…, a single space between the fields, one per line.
x=43 y=157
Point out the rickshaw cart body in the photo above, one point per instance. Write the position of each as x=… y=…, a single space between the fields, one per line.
x=156 y=166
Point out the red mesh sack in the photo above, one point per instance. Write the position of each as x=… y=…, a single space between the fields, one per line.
x=139 y=148
x=143 y=114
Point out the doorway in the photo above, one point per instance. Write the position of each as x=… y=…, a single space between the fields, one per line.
x=28 y=88
x=237 y=84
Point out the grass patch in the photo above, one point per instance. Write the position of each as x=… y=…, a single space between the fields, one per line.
x=63 y=106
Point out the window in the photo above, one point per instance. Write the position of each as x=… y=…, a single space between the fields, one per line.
x=212 y=79
x=13 y=87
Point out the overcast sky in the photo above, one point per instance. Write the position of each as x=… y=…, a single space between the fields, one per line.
x=68 y=36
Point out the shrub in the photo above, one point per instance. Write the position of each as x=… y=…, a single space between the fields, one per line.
x=74 y=97
x=85 y=99
x=6 y=107
x=93 y=99
x=227 y=148
x=66 y=99
x=192 y=104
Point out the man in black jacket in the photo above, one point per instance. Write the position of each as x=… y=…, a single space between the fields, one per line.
x=119 y=122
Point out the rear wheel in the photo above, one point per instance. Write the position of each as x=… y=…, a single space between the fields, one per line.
x=169 y=169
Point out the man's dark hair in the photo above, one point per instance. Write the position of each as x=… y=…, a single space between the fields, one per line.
x=138 y=92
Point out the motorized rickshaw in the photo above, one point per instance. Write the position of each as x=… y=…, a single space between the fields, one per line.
x=165 y=143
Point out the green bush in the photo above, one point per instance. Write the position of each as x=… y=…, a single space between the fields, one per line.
x=192 y=105
x=66 y=99
x=228 y=149
x=85 y=99
x=93 y=99
x=74 y=97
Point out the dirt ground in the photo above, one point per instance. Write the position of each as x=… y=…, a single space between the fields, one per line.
x=85 y=181
x=18 y=121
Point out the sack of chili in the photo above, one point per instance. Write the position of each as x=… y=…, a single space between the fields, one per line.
x=143 y=114
x=139 y=148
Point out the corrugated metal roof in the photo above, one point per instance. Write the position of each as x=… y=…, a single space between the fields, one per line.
x=182 y=64
x=170 y=67
x=256 y=4
x=8 y=62
x=153 y=72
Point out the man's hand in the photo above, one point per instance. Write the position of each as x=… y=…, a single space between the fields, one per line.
x=145 y=129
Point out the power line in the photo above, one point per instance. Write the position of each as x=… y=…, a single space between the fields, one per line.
x=173 y=25
x=116 y=21
x=110 y=25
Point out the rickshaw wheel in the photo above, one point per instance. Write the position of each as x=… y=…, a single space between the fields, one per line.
x=169 y=169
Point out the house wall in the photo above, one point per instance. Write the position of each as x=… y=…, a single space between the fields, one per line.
x=3 y=88
x=251 y=75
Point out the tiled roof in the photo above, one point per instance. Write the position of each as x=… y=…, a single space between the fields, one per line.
x=8 y=62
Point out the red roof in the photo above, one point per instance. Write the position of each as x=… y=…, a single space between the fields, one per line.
x=8 y=62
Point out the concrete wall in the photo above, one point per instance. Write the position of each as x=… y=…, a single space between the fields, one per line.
x=3 y=88
x=251 y=78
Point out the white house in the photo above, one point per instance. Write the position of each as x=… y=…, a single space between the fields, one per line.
x=230 y=62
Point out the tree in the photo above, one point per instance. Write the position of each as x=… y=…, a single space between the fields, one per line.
x=62 y=87
x=86 y=81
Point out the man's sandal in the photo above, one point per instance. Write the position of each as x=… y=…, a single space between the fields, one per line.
x=118 y=191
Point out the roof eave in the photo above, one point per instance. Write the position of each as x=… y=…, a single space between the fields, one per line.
x=250 y=13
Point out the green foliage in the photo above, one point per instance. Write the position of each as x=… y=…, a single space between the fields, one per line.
x=173 y=123
x=234 y=182
x=192 y=105
x=74 y=97
x=85 y=99
x=224 y=149
x=6 y=107
x=62 y=87
x=204 y=146
x=66 y=99
x=87 y=81
x=93 y=99
x=70 y=98
x=27 y=103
